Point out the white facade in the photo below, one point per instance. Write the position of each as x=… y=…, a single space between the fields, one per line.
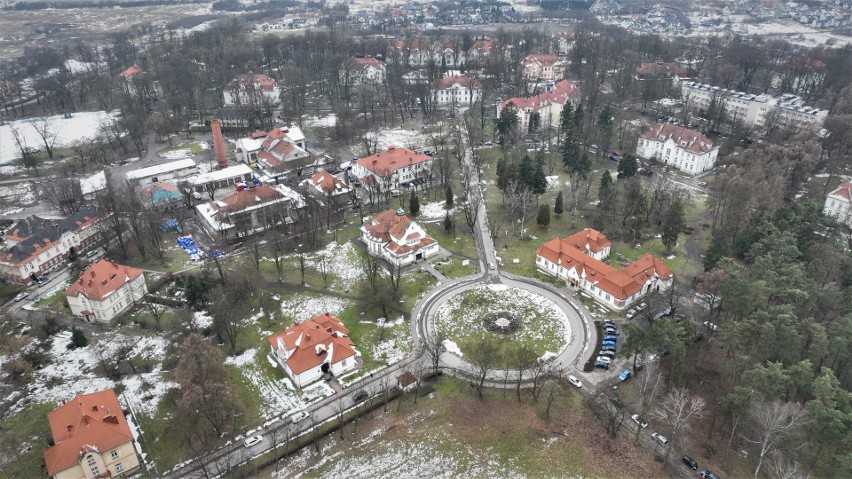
x=172 y=170
x=838 y=203
x=459 y=91
x=114 y=304
x=251 y=89
x=691 y=154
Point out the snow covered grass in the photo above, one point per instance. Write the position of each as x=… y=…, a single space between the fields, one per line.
x=81 y=126
x=342 y=262
x=386 y=138
x=304 y=307
x=18 y=194
x=327 y=121
x=432 y=212
x=543 y=326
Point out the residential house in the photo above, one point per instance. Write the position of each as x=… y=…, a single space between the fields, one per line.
x=760 y=111
x=325 y=184
x=252 y=89
x=91 y=438
x=93 y=184
x=447 y=54
x=548 y=105
x=249 y=211
x=35 y=245
x=173 y=170
x=838 y=203
x=687 y=150
x=135 y=82
x=280 y=149
x=482 y=48
x=661 y=71
x=308 y=350
x=368 y=71
x=575 y=260
x=397 y=239
x=387 y=170
x=160 y=196
x=543 y=66
x=409 y=52
x=406 y=381
x=457 y=91
x=563 y=42
x=105 y=290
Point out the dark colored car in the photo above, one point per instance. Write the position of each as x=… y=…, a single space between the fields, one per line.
x=360 y=396
x=617 y=401
x=705 y=474
x=690 y=462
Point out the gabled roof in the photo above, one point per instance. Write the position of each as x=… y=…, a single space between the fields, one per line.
x=131 y=71
x=484 y=45
x=562 y=92
x=309 y=342
x=689 y=140
x=102 y=278
x=159 y=193
x=89 y=422
x=621 y=284
x=589 y=238
x=388 y=225
x=844 y=192
x=660 y=70
x=252 y=80
x=327 y=183
x=462 y=81
x=245 y=199
x=392 y=159
x=36 y=234
x=542 y=59
x=369 y=62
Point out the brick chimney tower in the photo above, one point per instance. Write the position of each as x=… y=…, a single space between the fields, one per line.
x=219 y=144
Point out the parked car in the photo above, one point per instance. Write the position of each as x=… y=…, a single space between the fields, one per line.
x=611 y=331
x=300 y=416
x=20 y=296
x=705 y=474
x=664 y=312
x=607 y=348
x=616 y=401
x=604 y=359
x=638 y=420
x=491 y=265
x=360 y=396
x=610 y=338
x=641 y=307
x=609 y=353
x=575 y=381
x=252 y=441
x=659 y=437
x=624 y=376
x=690 y=462
x=92 y=253
x=607 y=343
x=601 y=364
x=631 y=313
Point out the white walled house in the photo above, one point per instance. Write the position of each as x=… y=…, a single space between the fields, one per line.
x=397 y=239
x=36 y=245
x=548 y=105
x=326 y=185
x=388 y=169
x=252 y=89
x=307 y=350
x=577 y=260
x=367 y=71
x=838 y=203
x=543 y=66
x=173 y=170
x=457 y=90
x=105 y=290
x=687 y=150
x=249 y=211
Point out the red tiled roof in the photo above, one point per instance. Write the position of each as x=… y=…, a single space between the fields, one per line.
x=390 y=160
x=369 y=62
x=659 y=70
x=843 y=191
x=102 y=278
x=544 y=59
x=308 y=339
x=562 y=92
x=465 y=82
x=594 y=239
x=252 y=80
x=327 y=183
x=690 y=140
x=387 y=225
x=485 y=45
x=247 y=198
x=87 y=422
x=621 y=284
x=131 y=71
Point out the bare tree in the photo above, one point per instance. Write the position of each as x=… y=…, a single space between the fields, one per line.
x=610 y=416
x=649 y=385
x=434 y=346
x=48 y=134
x=773 y=424
x=156 y=310
x=680 y=409
x=64 y=194
x=483 y=355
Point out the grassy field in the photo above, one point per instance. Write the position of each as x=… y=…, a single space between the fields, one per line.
x=192 y=146
x=447 y=435
x=24 y=438
x=453 y=268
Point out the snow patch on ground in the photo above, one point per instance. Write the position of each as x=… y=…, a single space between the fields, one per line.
x=243 y=359
x=176 y=154
x=81 y=126
x=398 y=137
x=327 y=121
x=202 y=319
x=552 y=182
x=303 y=307
x=432 y=212
x=451 y=347
x=342 y=263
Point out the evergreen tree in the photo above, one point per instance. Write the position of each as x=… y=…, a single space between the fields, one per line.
x=526 y=173
x=578 y=163
x=543 y=219
x=566 y=119
x=507 y=122
x=717 y=250
x=539 y=179
x=606 y=183
x=78 y=339
x=448 y=223
x=535 y=122
x=449 y=202
x=558 y=206
x=628 y=166
x=413 y=204
x=672 y=225
x=577 y=121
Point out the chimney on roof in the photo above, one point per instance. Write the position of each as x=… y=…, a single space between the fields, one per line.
x=400 y=212
x=69 y=427
x=95 y=408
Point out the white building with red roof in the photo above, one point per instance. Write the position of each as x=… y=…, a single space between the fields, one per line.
x=327 y=185
x=279 y=149
x=577 y=259
x=251 y=89
x=409 y=52
x=367 y=71
x=457 y=90
x=548 y=105
x=307 y=350
x=543 y=66
x=105 y=290
x=250 y=210
x=838 y=203
x=687 y=150
x=91 y=438
x=386 y=170
x=659 y=70
x=393 y=236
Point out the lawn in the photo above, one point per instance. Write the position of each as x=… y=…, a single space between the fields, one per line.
x=193 y=146
x=452 y=267
x=461 y=243
x=24 y=439
x=447 y=435
x=542 y=325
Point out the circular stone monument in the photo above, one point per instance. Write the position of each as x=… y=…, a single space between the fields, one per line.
x=501 y=322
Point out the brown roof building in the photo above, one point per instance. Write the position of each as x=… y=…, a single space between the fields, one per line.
x=393 y=236
x=105 y=290
x=91 y=439
x=388 y=169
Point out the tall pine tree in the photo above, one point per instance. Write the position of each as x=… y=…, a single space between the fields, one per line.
x=413 y=204
x=543 y=219
x=558 y=205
